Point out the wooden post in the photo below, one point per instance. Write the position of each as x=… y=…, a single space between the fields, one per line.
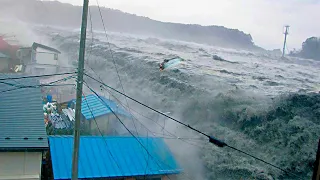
x=76 y=143
x=316 y=170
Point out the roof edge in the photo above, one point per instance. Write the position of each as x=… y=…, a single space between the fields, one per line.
x=36 y=45
x=23 y=149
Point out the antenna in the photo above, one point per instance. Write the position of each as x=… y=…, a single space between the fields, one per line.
x=285 y=39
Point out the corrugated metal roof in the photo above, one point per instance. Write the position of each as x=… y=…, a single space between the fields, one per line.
x=98 y=107
x=21 y=115
x=112 y=157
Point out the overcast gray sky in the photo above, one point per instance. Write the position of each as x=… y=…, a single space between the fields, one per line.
x=263 y=19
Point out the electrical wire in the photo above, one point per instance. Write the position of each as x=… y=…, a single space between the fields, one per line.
x=40 y=85
x=132 y=133
x=125 y=126
x=91 y=30
x=172 y=135
x=37 y=76
x=148 y=130
x=102 y=135
x=121 y=103
x=175 y=137
x=36 y=86
x=122 y=124
x=17 y=83
x=212 y=139
x=112 y=56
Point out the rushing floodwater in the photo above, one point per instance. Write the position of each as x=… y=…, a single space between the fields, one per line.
x=255 y=102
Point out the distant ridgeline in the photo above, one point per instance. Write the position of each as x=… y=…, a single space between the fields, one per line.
x=67 y=15
x=310 y=49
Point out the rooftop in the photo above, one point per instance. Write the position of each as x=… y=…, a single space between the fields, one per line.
x=36 y=45
x=99 y=107
x=112 y=157
x=21 y=115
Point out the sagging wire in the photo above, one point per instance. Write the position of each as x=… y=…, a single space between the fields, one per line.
x=172 y=135
x=110 y=109
x=138 y=121
x=149 y=155
x=41 y=85
x=100 y=132
x=112 y=56
x=36 y=76
x=211 y=139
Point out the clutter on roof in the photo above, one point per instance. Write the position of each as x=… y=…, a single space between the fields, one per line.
x=52 y=116
x=69 y=113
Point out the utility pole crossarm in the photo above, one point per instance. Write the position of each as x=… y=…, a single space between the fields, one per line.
x=76 y=143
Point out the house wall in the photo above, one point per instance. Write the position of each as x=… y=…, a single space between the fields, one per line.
x=44 y=56
x=110 y=125
x=102 y=123
x=24 y=54
x=20 y=165
x=38 y=69
x=4 y=65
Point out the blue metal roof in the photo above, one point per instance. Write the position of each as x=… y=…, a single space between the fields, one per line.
x=21 y=115
x=99 y=107
x=102 y=157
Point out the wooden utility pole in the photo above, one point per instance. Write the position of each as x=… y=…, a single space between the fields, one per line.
x=76 y=143
x=316 y=169
x=285 y=39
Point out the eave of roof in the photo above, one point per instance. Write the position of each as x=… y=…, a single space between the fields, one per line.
x=36 y=45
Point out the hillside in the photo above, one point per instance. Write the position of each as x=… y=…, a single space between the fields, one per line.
x=67 y=15
x=310 y=49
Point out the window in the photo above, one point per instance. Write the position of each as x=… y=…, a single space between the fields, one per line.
x=55 y=56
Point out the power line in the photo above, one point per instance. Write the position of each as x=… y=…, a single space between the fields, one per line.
x=172 y=135
x=149 y=155
x=153 y=133
x=126 y=127
x=114 y=62
x=102 y=135
x=36 y=86
x=40 y=85
x=37 y=76
x=148 y=106
x=134 y=118
x=212 y=139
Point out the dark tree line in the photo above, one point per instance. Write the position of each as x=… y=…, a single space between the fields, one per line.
x=66 y=15
x=310 y=49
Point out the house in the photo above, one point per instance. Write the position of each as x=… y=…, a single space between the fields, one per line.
x=125 y=158
x=44 y=59
x=96 y=114
x=60 y=94
x=4 y=63
x=23 y=138
x=10 y=52
x=24 y=55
